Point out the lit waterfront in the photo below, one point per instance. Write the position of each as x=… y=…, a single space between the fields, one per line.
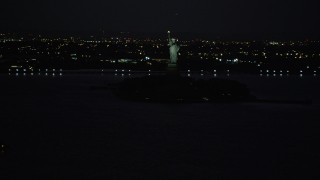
x=189 y=73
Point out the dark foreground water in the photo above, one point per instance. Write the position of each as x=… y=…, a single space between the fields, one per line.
x=61 y=128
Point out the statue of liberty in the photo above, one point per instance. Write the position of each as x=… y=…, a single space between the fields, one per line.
x=174 y=49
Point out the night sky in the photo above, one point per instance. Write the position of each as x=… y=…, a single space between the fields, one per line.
x=220 y=18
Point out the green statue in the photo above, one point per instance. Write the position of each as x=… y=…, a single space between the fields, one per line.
x=174 y=49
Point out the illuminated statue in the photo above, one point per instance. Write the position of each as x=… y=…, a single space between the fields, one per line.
x=174 y=49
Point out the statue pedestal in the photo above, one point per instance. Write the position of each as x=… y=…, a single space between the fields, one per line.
x=172 y=70
x=171 y=65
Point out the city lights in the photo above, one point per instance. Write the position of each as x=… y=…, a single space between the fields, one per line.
x=132 y=52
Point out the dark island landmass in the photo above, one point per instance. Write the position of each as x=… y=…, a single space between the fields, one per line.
x=182 y=89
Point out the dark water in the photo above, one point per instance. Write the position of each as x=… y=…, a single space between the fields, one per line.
x=61 y=128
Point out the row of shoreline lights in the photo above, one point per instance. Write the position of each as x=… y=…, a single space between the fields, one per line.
x=123 y=70
x=189 y=71
x=149 y=74
x=33 y=72
x=287 y=72
x=215 y=75
x=228 y=72
x=281 y=71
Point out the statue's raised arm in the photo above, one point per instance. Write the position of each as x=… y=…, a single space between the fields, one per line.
x=169 y=38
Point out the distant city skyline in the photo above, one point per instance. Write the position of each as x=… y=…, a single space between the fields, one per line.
x=41 y=52
x=240 y=19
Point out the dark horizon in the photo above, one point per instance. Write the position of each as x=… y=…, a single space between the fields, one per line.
x=226 y=19
x=180 y=35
